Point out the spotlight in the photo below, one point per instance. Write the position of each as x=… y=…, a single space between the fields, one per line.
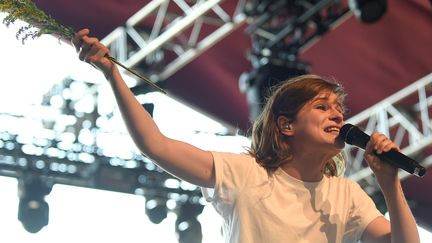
x=33 y=210
x=156 y=210
x=33 y=214
x=368 y=11
x=187 y=226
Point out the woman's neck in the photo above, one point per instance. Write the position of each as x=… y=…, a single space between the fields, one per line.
x=308 y=167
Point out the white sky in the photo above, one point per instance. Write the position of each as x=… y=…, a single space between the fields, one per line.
x=88 y=215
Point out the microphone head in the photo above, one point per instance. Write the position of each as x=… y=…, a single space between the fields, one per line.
x=353 y=135
x=343 y=133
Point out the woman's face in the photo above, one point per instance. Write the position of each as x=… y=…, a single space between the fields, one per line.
x=318 y=123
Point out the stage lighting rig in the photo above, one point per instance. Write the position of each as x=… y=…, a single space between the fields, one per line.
x=280 y=30
x=292 y=23
x=67 y=144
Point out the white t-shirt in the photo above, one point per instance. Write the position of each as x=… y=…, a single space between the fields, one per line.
x=270 y=208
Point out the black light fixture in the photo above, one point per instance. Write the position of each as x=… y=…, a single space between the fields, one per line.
x=268 y=70
x=33 y=210
x=156 y=210
x=368 y=11
x=187 y=226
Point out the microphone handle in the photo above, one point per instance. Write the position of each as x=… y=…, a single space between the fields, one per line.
x=354 y=136
x=402 y=161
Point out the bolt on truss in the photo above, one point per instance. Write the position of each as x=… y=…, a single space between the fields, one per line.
x=404 y=117
x=166 y=35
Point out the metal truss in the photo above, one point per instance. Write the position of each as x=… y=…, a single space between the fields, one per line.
x=136 y=175
x=405 y=117
x=279 y=31
x=165 y=35
x=290 y=26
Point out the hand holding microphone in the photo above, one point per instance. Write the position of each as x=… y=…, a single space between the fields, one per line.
x=354 y=136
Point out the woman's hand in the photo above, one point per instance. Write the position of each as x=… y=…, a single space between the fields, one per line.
x=92 y=51
x=402 y=227
x=384 y=172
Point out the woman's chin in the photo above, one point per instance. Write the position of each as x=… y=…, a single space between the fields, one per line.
x=340 y=145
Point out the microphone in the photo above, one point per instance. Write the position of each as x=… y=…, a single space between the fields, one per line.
x=354 y=136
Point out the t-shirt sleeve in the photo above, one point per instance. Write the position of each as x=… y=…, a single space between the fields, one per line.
x=363 y=211
x=231 y=174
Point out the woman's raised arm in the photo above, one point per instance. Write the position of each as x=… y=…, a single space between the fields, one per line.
x=181 y=159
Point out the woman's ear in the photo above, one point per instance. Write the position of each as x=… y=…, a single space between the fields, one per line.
x=285 y=126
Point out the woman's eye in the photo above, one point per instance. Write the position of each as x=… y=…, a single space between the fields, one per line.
x=322 y=107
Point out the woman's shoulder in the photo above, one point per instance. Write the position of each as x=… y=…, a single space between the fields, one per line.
x=238 y=170
x=242 y=162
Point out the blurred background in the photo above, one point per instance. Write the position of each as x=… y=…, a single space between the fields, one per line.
x=68 y=168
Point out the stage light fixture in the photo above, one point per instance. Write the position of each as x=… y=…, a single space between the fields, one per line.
x=368 y=11
x=33 y=210
x=156 y=210
x=257 y=83
x=187 y=226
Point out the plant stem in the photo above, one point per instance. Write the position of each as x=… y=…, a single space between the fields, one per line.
x=136 y=74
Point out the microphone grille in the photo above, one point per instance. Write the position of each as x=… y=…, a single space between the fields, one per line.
x=343 y=133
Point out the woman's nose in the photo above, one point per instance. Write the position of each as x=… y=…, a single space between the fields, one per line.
x=336 y=115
